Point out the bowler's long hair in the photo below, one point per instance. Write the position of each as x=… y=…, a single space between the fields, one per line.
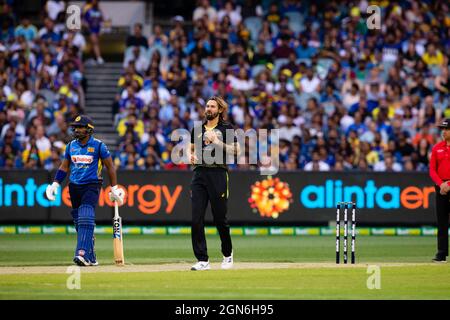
x=223 y=107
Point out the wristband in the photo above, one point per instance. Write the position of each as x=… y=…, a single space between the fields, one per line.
x=60 y=176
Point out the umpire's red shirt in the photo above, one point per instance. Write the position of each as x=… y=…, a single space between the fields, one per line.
x=440 y=163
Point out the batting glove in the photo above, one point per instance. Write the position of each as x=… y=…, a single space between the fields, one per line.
x=117 y=194
x=52 y=191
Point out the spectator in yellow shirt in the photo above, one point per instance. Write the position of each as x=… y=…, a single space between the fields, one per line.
x=433 y=57
x=131 y=122
x=388 y=109
x=129 y=76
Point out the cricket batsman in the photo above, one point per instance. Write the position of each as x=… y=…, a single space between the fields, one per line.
x=84 y=156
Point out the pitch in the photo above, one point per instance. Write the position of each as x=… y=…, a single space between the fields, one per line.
x=266 y=267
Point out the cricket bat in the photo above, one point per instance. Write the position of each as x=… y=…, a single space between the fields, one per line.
x=117 y=237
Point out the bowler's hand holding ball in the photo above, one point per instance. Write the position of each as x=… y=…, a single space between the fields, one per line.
x=211 y=136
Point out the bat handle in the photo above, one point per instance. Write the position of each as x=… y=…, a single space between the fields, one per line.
x=116 y=210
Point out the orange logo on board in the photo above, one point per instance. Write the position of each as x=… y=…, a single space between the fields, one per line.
x=270 y=197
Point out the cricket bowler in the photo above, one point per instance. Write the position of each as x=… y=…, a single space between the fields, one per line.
x=84 y=156
x=210 y=181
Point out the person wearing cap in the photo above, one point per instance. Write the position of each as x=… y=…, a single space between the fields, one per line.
x=178 y=31
x=440 y=173
x=84 y=157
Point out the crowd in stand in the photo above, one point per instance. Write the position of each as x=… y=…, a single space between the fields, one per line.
x=343 y=96
x=344 y=93
x=42 y=86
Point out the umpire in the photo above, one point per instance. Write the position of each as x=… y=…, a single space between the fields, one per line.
x=210 y=180
x=84 y=157
x=440 y=173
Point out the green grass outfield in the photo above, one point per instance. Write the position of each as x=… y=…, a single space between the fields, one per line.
x=267 y=267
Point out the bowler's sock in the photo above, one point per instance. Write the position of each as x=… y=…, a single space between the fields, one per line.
x=86 y=225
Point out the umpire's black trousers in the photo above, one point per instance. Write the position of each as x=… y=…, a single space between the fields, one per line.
x=209 y=184
x=442 y=212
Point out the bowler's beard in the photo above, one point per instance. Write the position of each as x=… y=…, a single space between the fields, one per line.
x=211 y=116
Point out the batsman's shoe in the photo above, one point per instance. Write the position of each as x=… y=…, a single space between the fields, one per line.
x=201 y=265
x=439 y=258
x=227 y=262
x=81 y=261
x=93 y=263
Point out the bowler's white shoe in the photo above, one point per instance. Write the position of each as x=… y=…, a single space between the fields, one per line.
x=201 y=265
x=227 y=262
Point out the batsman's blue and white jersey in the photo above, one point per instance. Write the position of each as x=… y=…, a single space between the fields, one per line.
x=85 y=164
